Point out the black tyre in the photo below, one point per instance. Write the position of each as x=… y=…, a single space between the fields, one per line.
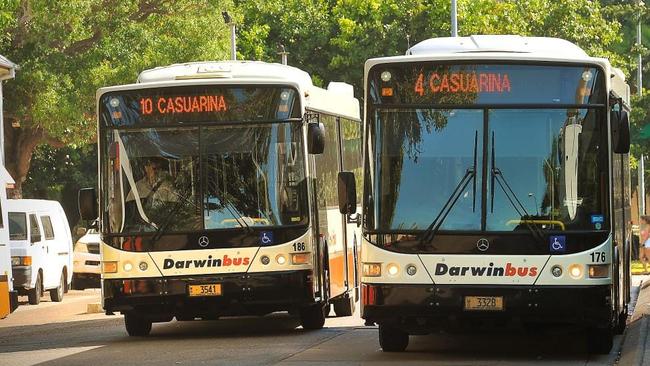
x=77 y=283
x=344 y=306
x=622 y=322
x=67 y=284
x=34 y=295
x=392 y=339
x=600 y=340
x=312 y=317
x=137 y=325
x=56 y=294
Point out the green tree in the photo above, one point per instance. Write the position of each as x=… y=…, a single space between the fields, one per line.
x=57 y=174
x=380 y=28
x=304 y=28
x=67 y=49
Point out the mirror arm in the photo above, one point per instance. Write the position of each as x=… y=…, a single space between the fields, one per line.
x=353 y=219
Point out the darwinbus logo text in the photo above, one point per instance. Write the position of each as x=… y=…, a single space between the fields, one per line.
x=508 y=271
x=206 y=263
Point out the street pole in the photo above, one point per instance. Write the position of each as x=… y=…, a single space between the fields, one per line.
x=639 y=71
x=233 y=44
x=641 y=188
x=639 y=80
x=283 y=53
x=454 y=23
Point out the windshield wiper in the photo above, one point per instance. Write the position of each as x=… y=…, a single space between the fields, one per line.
x=435 y=225
x=497 y=175
x=235 y=213
x=170 y=218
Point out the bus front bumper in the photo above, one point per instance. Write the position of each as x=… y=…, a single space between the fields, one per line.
x=241 y=294
x=423 y=308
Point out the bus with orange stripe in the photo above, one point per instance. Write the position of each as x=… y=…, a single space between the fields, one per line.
x=218 y=194
x=496 y=189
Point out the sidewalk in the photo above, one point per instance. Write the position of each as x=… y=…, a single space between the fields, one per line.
x=72 y=308
x=636 y=342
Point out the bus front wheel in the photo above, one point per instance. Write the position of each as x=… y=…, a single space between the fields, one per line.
x=392 y=339
x=137 y=325
x=312 y=317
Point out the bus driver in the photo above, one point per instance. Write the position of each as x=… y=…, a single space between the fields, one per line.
x=156 y=184
x=156 y=187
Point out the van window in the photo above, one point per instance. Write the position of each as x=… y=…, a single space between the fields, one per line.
x=17 y=226
x=35 y=232
x=47 y=227
x=2 y=222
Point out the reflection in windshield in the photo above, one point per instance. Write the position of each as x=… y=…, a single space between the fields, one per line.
x=175 y=180
x=554 y=160
x=421 y=156
x=558 y=172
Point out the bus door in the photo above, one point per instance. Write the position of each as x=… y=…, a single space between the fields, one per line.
x=330 y=225
x=350 y=133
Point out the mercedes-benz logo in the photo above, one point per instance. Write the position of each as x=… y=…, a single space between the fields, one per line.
x=483 y=244
x=204 y=241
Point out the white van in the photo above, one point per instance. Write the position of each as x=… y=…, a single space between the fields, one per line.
x=41 y=248
x=6 y=278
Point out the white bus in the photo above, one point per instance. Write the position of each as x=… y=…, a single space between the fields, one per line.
x=496 y=187
x=217 y=194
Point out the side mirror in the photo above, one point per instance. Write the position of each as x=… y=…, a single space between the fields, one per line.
x=315 y=138
x=347 y=193
x=620 y=122
x=87 y=203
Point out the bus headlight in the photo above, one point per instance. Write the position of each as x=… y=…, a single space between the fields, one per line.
x=575 y=270
x=299 y=258
x=109 y=267
x=392 y=269
x=598 y=270
x=127 y=266
x=372 y=269
x=281 y=259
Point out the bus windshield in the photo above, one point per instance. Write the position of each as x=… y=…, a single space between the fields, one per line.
x=540 y=165
x=193 y=177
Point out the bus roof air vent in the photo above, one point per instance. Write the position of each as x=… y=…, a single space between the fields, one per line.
x=341 y=88
x=498 y=44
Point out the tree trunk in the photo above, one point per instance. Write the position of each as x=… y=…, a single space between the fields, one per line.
x=19 y=146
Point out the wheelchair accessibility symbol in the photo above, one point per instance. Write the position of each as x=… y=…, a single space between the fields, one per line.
x=266 y=238
x=557 y=244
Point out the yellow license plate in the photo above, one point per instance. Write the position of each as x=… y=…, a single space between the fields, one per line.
x=213 y=289
x=484 y=303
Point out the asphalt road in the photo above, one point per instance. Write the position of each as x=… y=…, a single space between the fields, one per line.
x=62 y=334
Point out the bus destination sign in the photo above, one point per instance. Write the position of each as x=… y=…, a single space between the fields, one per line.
x=470 y=84
x=198 y=104
x=183 y=104
x=462 y=82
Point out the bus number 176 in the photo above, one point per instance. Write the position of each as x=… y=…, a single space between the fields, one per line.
x=598 y=257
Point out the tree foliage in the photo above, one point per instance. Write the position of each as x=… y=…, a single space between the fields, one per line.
x=68 y=49
x=333 y=39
